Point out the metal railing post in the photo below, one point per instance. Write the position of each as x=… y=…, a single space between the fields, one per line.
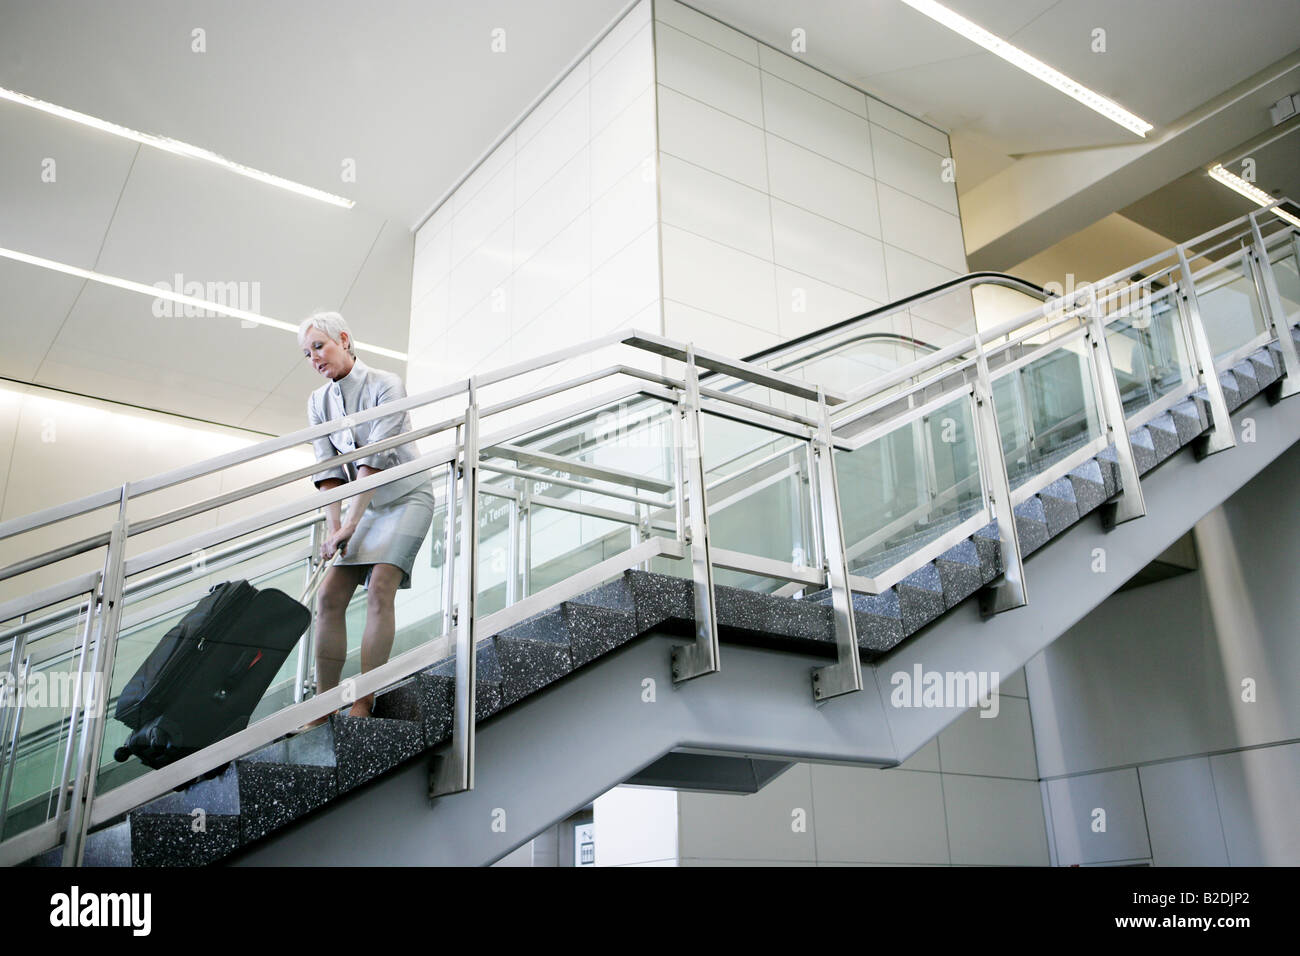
x=10 y=698
x=65 y=777
x=1221 y=435
x=1275 y=313
x=94 y=706
x=1129 y=503
x=454 y=771
x=696 y=660
x=799 y=538
x=512 y=546
x=449 y=552
x=305 y=684
x=526 y=509
x=845 y=675
x=10 y=742
x=1010 y=591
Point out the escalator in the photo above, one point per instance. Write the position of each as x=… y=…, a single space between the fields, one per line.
x=870 y=503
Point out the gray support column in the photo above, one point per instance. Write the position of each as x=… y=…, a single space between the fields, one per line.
x=1221 y=436
x=1128 y=504
x=453 y=772
x=844 y=676
x=700 y=658
x=1275 y=313
x=1010 y=591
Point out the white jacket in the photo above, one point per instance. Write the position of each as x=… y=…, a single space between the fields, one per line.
x=377 y=387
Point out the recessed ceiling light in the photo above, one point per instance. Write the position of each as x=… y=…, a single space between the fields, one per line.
x=1250 y=191
x=155 y=292
x=1031 y=65
x=174 y=146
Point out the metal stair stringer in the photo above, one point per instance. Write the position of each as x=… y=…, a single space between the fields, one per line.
x=555 y=751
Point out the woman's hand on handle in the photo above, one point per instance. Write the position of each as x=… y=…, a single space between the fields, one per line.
x=337 y=540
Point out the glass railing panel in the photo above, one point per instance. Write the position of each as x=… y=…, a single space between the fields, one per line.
x=758 y=503
x=566 y=529
x=1287 y=276
x=909 y=486
x=1047 y=410
x=1230 y=307
x=36 y=701
x=1148 y=350
x=564 y=543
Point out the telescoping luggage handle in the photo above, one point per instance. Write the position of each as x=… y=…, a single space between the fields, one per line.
x=317 y=576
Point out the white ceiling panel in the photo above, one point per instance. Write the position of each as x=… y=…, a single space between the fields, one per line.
x=64 y=220
x=112 y=332
x=198 y=220
x=33 y=306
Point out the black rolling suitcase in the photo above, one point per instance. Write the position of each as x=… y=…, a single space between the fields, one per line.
x=208 y=673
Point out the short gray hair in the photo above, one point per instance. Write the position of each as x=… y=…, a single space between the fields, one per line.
x=332 y=324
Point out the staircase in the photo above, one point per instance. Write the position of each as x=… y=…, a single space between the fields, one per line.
x=575 y=688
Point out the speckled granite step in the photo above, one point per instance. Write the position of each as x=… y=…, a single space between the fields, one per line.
x=192 y=827
x=285 y=780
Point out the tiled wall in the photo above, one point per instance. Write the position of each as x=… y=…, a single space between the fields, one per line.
x=969 y=797
x=552 y=240
x=1141 y=711
x=790 y=200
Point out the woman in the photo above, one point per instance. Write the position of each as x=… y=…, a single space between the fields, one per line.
x=384 y=527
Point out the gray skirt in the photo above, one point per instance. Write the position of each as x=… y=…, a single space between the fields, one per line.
x=392 y=533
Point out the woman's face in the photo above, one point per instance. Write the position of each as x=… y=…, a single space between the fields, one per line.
x=326 y=356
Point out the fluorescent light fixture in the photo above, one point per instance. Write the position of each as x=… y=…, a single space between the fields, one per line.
x=174 y=146
x=1031 y=65
x=154 y=292
x=1250 y=191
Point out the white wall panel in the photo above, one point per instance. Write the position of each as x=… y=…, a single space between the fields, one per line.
x=707 y=29
x=716 y=278
x=777 y=823
x=1076 y=822
x=1258 y=792
x=817 y=184
x=813 y=80
x=703 y=72
x=1183 y=814
x=715 y=207
x=805 y=118
x=1001 y=746
x=921 y=229
x=708 y=137
x=807 y=243
x=993 y=821
x=879 y=816
x=913 y=169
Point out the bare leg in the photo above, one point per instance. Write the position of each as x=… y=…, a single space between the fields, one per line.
x=332 y=627
x=377 y=642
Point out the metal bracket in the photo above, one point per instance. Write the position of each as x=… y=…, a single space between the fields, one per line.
x=1010 y=592
x=695 y=660
x=455 y=773
x=845 y=675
